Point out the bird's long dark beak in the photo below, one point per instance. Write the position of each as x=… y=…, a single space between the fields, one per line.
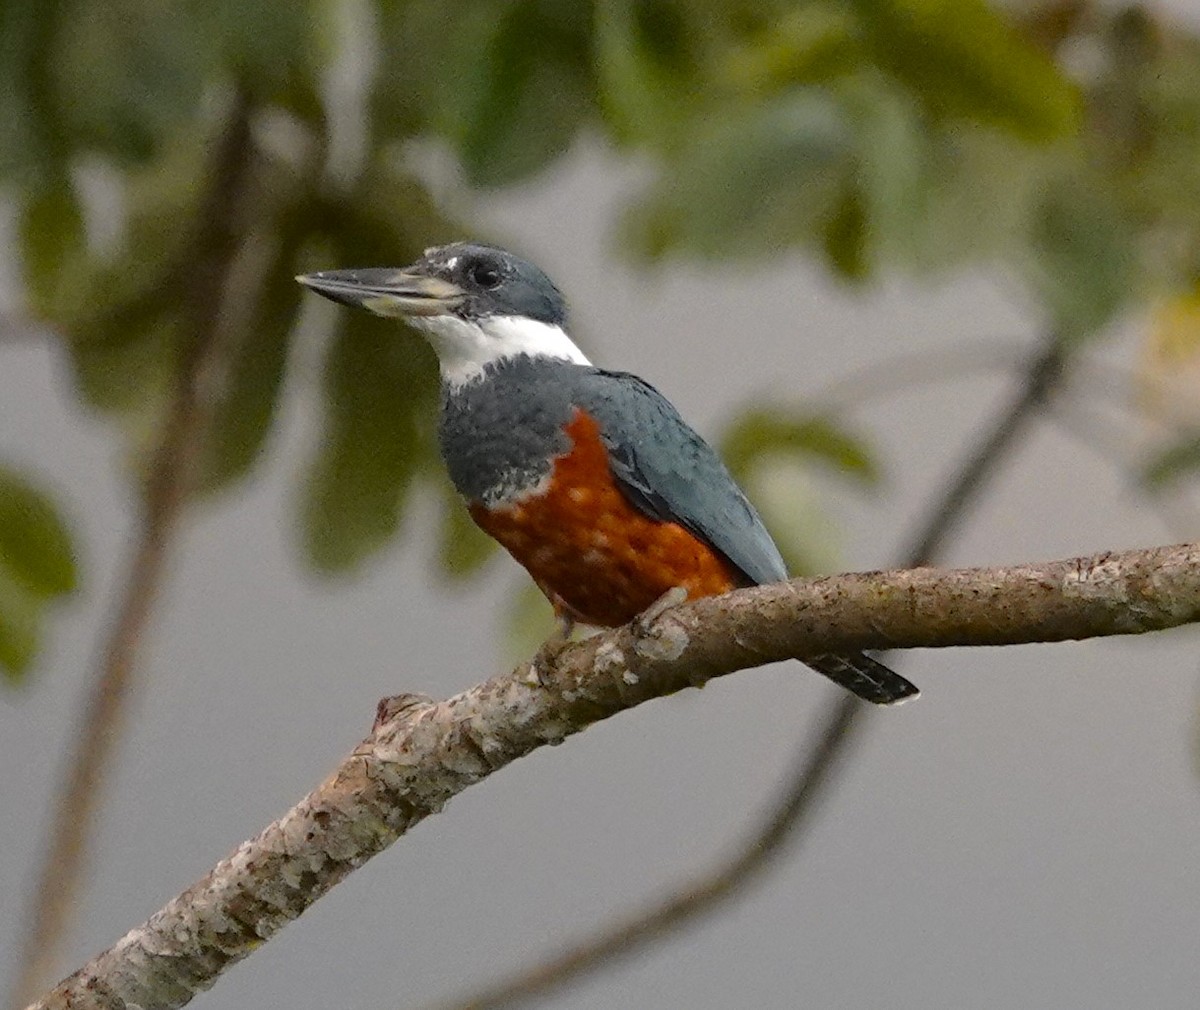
x=386 y=292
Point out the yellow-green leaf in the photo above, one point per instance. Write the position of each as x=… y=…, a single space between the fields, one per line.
x=761 y=433
x=35 y=544
x=246 y=410
x=755 y=182
x=37 y=563
x=1083 y=259
x=463 y=548
x=529 y=622
x=963 y=58
x=21 y=614
x=1168 y=369
x=1178 y=460
x=52 y=236
x=845 y=237
x=379 y=403
x=647 y=74
x=524 y=89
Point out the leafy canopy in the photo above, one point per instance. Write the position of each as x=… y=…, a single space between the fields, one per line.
x=878 y=135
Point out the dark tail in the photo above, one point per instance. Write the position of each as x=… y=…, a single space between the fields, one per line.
x=865 y=677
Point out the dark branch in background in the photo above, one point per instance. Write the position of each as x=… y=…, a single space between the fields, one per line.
x=806 y=785
x=1043 y=376
x=843 y=729
x=167 y=488
x=422 y=753
x=907 y=371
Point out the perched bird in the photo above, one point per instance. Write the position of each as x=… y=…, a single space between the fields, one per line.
x=588 y=477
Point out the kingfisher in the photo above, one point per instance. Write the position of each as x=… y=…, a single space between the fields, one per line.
x=588 y=477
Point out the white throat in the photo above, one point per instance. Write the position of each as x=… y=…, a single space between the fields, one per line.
x=466 y=347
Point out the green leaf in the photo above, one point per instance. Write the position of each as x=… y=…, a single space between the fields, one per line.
x=21 y=613
x=246 y=410
x=508 y=83
x=463 y=548
x=846 y=235
x=1083 y=258
x=390 y=218
x=524 y=91
x=32 y=141
x=1179 y=460
x=530 y=621
x=895 y=170
x=379 y=402
x=795 y=510
x=755 y=182
x=647 y=72
x=35 y=544
x=762 y=433
x=262 y=42
x=1146 y=112
x=809 y=44
x=124 y=313
x=37 y=563
x=423 y=45
x=772 y=454
x=962 y=59
x=380 y=380
x=129 y=73
x=124 y=357
x=52 y=239
x=981 y=186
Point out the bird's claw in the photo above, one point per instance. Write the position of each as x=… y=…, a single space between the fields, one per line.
x=547 y=655
x=673 y=597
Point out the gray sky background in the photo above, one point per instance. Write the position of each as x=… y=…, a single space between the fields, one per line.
x=1025 y=835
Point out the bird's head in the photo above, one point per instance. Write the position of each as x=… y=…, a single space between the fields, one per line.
x=477 y=304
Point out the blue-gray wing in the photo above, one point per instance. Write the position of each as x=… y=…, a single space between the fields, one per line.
x=669 y=472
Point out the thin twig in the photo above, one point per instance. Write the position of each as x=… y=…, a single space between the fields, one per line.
x=1043 y=376
x=904 y=372
x=842 y=722
x=422 y=753
x=166 y=491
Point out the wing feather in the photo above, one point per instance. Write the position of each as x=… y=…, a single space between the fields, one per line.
x=669 y=472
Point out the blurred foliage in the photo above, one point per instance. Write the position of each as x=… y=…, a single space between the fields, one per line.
x=772 y=453
x=762 y=433
x=37 y=565
x=1169 y=377
x=463 y=548
x=1055 y=139
x=1174 y=461
x=528 y=623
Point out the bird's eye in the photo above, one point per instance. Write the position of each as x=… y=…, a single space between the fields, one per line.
x=484 y=274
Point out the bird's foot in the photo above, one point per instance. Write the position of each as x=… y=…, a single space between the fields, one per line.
x=673 y=597
x=547 y=655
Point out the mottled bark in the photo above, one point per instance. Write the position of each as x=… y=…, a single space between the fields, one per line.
x=423 y=752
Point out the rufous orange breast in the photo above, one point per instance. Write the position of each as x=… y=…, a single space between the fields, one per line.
x=598 y=558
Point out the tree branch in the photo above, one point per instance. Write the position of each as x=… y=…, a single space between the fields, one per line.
x=168 y=485
x=422 y=753
x=1042 y=376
